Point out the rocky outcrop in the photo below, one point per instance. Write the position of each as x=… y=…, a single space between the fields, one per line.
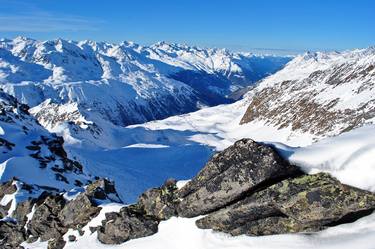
x=45 y=223
x=79 y=211
x=47 y=215
x=102 y=189
x=162 y=202
x=141 y=219
x=304 y=204
x=247 y=189
x=11 y=234
x=232 y=174
x=130 y=223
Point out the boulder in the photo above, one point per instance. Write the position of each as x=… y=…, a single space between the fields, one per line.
x=78 y=212
x=307 y=203
x=232 y=174
x=45 y=222
x=162 y=202
x=130 y=223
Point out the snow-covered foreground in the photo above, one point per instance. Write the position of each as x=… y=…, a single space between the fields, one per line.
x=181 y=233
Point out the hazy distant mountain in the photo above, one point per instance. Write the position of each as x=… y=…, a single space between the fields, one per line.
x=127 y=83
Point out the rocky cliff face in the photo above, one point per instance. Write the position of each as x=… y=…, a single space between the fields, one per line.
x=318 y=93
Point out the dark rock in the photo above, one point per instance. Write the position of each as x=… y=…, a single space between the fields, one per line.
x=103 y=189
x=33 y=147
x=304 y=204
x=232 y=174
x=7 y=188
x=56 y=243
x=45 y=222
x=130 y=223
x=23 y=209
x=72 y=238
x=11 y=235
x=6 y=143
x=79 y=211
x=162 y=202
x=81 y=232
x=93 y=229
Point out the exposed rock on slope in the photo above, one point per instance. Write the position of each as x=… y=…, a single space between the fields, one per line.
x=303 y=204
x=232 y=174
x=287 y=203
x=47 y=214
x=318 y=93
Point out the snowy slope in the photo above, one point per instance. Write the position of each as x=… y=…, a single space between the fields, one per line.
x=319 y=93
x=32 y=154
x=126 y=83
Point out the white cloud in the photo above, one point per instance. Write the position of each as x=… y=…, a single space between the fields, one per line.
x=21 y=16
x=45 y=23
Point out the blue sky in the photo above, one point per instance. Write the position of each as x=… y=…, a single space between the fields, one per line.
x=235 y=24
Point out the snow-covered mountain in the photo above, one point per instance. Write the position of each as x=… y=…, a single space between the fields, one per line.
x=318 y=93
x=126 y=83
x=315 y=96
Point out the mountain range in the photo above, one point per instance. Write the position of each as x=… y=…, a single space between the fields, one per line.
x=127 y=83
x=75 y=116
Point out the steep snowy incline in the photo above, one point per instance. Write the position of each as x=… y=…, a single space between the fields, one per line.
x=126 y=83
x=32 y=154
x=320 y=93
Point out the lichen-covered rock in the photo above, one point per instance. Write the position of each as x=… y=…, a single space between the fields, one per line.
x=162 y=202
x=130 y=223
x=11 y=235
x=303 y=204
x=231 y=174
x=78 y=212
x=45 y=222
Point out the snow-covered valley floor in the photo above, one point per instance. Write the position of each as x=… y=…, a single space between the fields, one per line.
x=142 y=156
